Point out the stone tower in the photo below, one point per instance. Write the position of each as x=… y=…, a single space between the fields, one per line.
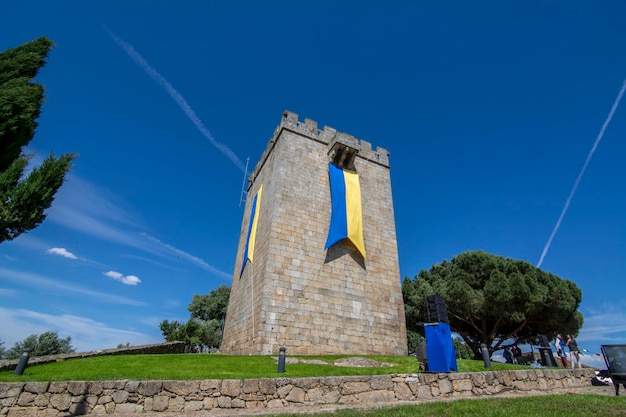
x=293 y=286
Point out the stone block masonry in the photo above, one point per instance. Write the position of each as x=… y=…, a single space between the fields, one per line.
x=284 y=395
x=297 y=294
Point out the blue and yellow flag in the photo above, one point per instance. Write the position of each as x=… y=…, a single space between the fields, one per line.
x=248 y=254
x=346 y=220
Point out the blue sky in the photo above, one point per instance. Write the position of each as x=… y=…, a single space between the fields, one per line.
x=489 y=110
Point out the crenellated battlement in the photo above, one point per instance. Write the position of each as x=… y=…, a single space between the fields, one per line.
x=327 y=135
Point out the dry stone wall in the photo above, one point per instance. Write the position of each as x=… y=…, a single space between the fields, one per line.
x=52 y=399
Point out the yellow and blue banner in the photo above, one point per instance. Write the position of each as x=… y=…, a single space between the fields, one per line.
x=253 y=223
x=346 y=220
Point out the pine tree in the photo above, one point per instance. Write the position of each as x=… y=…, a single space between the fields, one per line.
x=24 y=198
x=495 y=300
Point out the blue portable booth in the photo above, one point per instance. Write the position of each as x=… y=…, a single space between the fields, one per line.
x=439 y=348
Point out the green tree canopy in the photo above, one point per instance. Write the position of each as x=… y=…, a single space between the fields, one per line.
x=210 y=306
x=193 y=333
x=204 y=327
x=462 y=350
x=492 y=299
x=414 y=339
x=47 y=343
x=23 y=198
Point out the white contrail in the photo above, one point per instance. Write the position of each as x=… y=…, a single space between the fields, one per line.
x=177 y=97
x=582 y=172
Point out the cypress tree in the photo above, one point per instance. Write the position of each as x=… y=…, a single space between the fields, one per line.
x=24 y=198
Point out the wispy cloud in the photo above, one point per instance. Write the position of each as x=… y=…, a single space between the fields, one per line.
x=101 y=202
x=86 y=334
x=176 y=96
x=593 y=360
x=124 y=279
x=608 y=327
x=41 y=282
x=171 y=303
x=61 y=252
x=153 y=262
x=154 y=321
x=94 y=211
x=30 y=242
x=604 y=324
x=184 y=255
x=582 y=173
x=98 y=213
x=6 y=292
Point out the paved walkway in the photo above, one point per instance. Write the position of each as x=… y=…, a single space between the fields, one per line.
x=329 y=408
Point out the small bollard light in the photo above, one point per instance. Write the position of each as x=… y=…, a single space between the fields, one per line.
x=485 y=351
x=281 y=359
x=21 y=365
x=545 y=353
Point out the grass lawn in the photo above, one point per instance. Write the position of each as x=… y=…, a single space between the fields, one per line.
x=589 y=405
x=204 y=366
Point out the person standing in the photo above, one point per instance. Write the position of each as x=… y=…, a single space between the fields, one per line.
x=574 y=352
x=508 y=357
x=559 y=349
x=517 y=355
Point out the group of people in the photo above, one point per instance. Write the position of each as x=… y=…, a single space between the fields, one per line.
x=514 y=355
x=573 y=358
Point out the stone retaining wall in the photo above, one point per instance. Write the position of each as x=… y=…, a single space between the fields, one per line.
x=62 y=398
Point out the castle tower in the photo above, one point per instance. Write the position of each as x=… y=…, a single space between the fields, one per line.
x=295 y=283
